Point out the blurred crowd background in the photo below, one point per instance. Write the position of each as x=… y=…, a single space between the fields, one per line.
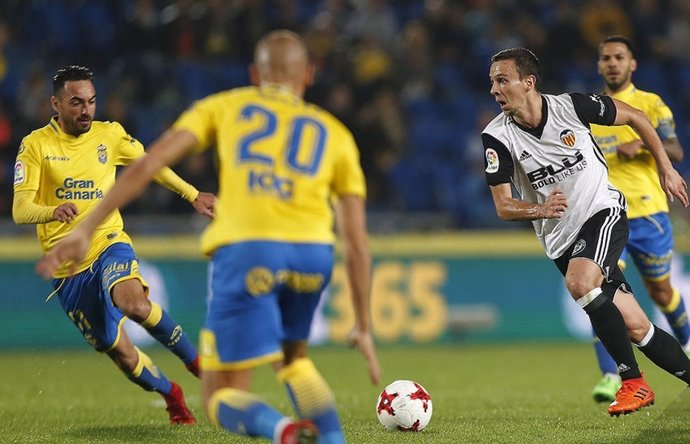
x=409 y=77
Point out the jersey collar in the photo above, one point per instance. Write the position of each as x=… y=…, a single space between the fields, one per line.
x=63 y=135
x=539 y=129
x=625 y=93
x=279 y=91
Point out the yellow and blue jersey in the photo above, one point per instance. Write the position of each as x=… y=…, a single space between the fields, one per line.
x=637 y=178
x=281 y=162
x=62 y=168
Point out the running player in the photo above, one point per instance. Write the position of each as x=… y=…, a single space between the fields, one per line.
x=632 y=169
x=542 y=144
x=283 y=164
x=61 y=173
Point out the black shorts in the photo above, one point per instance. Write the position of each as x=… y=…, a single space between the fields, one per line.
x=602 y=239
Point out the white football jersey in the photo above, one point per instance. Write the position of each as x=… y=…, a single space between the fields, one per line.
x=559 y=154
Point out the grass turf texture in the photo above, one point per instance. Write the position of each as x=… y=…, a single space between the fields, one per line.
x=517 y=393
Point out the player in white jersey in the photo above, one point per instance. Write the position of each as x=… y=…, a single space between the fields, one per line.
x=542 y=145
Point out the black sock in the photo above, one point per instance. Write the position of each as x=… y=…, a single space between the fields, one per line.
x=609 y=325
x=663 y=350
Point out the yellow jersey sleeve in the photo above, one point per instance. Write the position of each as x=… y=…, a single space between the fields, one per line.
x=637 y=178
x=129 y=149
x=348 y=178
x=26 y=211
x=662 y=118
x=27 y=173
x=27 y=167
x=199 y=120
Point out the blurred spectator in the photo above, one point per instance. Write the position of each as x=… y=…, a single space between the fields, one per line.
x=678 y=32
x=183 y=25
x=409 y=76
x=33 y=101
x=142 y=30
x=601 y=18
x=372 y=20
x=380 y=134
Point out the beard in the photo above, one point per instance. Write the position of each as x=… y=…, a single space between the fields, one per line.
x=77 y=128
x=617 y=85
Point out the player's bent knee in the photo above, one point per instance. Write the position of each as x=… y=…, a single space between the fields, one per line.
x=661 y=295
x=578 y=289
x=126 y=360
x=293 y=350
x=137 y=309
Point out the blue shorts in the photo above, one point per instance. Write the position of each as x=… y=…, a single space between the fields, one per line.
x=650 y=246
x=86 y=298
x=261 y=294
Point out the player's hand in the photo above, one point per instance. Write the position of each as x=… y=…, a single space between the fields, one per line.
x=71 y=248
x=65 y=212
x=555 y=205
x=205 y=204
x=365 y=344
x=674 y=185
x=630 y=149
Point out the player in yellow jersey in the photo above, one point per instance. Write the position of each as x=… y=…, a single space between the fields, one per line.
x=632 y=170
x=62 y=172
x=283 y=164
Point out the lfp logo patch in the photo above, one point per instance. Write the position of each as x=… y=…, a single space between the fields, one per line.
x=568 y=137
x=491 y=160
x=102 y=153
x=19 y=173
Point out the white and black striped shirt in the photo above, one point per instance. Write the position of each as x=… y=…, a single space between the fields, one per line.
x=558 y=154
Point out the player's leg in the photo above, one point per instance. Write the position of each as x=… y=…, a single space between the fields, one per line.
x=92 y=311
x=230 y=404
x=605 y=390
x=587 y=266
x=242 y=331
x=309 y=392
x=140 y=369
x=671 y=304
x=651 y=247
x=660 y=347
x=584 y=279
x=129 y=292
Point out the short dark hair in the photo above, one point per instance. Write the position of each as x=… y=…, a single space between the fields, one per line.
x=68 y=73
x=526 y=63
x=619 y=39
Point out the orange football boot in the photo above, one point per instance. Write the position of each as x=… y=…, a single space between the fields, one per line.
x=632 y=396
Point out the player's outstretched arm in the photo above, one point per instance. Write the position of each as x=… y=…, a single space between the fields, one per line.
x=671 y=181
x=166 y=150
x=203 y=203
x=351 y=223
x=511 y=209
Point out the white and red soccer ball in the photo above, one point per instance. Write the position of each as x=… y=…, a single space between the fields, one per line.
x=404 y=405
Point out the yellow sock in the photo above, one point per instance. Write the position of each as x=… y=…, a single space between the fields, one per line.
x=309 y=391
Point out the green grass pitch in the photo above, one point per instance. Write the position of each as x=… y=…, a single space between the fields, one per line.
x=510 y=393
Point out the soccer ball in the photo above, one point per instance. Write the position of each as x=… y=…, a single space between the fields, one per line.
x=404 y=405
